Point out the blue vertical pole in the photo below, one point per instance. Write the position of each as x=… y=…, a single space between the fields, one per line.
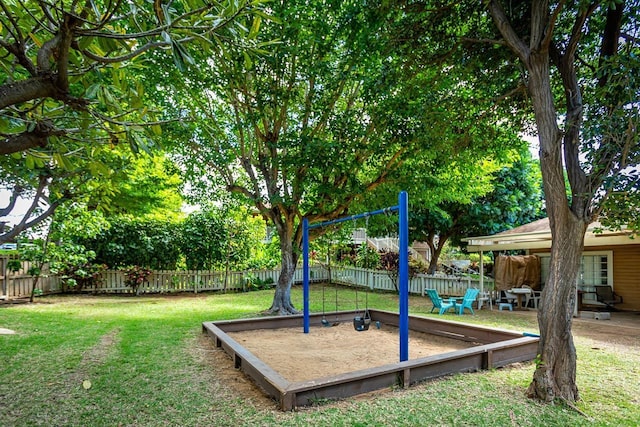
x=305 y=272
x=403 y=273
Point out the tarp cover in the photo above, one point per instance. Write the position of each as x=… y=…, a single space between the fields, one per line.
x=513 y=271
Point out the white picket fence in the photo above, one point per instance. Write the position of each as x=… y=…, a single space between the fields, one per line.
x=18 y=284
x=381 y=280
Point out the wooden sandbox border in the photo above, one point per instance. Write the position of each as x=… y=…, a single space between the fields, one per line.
x=499 y=348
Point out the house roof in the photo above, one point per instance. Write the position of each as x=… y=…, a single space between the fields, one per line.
x=537 y=235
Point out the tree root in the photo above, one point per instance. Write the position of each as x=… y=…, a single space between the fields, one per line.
x=574 y=407
x=283 y=310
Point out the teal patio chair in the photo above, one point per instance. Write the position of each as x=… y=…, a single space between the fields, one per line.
x=439 y=303
x=468 y=299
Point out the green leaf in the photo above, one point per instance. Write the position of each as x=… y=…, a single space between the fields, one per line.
x=63 y=161
x=35 y=39
x=91 y=91
x=85 y=42
x=255 y=27
x=98 y=168
x=180 y=56
x=247 y=60
x=167 y=13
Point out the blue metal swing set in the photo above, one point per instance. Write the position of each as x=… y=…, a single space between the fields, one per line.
x=403 y=269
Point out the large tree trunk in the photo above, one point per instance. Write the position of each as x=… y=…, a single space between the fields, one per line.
x=436 y=250
x=282 y=299
x=555 y=374
x=433 y=263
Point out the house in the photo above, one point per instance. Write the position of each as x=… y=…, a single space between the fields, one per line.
x=418 y=250
x=610 y=258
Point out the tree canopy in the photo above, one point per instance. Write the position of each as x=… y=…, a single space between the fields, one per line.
x=72 y=91
x=329 y=114
x=66 y=66
x=515 y=199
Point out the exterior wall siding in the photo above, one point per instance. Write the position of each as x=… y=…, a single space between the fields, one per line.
x=626 y=276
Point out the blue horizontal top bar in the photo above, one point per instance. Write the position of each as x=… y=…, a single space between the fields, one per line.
x=354 y=217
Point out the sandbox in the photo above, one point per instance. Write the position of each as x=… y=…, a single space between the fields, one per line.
x=480 y=348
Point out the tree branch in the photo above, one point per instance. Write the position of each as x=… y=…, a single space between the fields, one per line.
x=46 y=52
x=15 y=194
x=122 y=58
x=24 y=225
x=483 y=41
x=38 y=137
x=153 y=32
x=576 y=33
x=507 y=31
x=27 y=90
x=546 y=26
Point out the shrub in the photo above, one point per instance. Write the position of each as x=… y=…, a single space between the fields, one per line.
x=254 y=283
x=135 y=276
x=128 y=241
x=367 y=257
x=77 y=277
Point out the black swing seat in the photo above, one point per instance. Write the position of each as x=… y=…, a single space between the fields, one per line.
x=605 y=295
x=361 y=323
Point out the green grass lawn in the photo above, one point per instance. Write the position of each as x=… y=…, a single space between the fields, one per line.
x=144 y=361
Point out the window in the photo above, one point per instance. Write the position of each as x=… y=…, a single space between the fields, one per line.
x=596 y=269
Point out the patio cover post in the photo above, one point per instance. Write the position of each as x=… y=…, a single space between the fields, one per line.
x=481 y=274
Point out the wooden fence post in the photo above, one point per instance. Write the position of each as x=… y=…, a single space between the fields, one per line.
x=3 y=277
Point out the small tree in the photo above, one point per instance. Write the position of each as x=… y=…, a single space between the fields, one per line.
x=71 y=262
x=390 y=262
x=76 y=277
x=367 y=257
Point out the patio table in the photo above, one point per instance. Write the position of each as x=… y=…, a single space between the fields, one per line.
x=519 y=293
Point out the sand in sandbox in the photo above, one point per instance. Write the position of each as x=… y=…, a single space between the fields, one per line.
x=327 y=351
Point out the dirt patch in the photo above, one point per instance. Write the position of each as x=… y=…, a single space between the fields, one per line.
x=98 y=353
x=621 y=333
x=326 y=351
x=93 y=356
x=224 y=379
